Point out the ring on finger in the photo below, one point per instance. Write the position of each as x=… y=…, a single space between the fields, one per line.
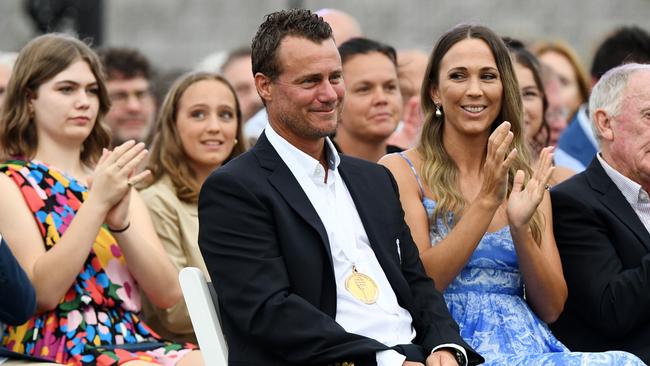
x=130 y=183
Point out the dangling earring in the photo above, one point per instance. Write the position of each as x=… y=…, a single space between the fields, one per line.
x=438 y=111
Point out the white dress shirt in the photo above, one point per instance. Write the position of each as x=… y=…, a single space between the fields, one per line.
x=634 y=194
x=385 y=320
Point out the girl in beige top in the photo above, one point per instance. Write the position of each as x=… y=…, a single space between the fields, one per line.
x=198 y=130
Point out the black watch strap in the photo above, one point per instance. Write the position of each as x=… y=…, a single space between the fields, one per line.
x=460 y=357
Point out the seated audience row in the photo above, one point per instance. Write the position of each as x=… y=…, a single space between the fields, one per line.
x=473 y=190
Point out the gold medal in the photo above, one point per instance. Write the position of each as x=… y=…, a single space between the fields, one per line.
x=362 y=287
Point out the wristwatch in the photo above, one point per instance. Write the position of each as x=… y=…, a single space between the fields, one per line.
x=460 y=357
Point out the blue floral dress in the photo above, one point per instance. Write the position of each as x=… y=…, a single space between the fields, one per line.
x=487 y=301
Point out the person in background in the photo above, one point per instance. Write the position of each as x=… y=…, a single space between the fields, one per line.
x=563 y=60
x=557 y=116
x=237 y=70
x=536 y=104
x=373 y=103
x=602 y=223
x=133 y=106
x=411 y=66
x=344 y=25
x=198 y=130
x=73 y=219
x=478 y=211
x=624 y=45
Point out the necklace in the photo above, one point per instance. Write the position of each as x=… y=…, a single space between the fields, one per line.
x=362 y=287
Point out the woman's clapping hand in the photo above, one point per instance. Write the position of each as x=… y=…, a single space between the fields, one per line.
x=524 y=199
x=498 y=160
x=113 y=179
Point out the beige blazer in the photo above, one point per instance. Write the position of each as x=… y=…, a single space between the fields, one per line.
x=177 y=225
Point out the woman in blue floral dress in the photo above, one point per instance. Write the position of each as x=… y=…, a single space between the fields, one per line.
x=479 y=213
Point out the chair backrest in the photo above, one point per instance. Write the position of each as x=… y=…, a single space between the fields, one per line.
x=202 y=304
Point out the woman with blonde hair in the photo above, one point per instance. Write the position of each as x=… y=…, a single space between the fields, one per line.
x=478 y=212
x=198 y=130
x=73 y=219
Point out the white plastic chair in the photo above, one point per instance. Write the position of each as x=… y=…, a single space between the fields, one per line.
x=201 y=300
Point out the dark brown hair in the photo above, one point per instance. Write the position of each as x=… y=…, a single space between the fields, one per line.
x=124 y=63
x=294 y=22
x=364 y=46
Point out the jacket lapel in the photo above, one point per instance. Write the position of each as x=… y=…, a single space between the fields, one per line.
x=286 y=184
x=614 y=200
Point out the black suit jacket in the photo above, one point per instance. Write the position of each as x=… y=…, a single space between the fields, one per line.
x=605 y=252
x=17 y=297
x=269 y=257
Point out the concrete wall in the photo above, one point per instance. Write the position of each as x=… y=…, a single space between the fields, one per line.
x=179 y=33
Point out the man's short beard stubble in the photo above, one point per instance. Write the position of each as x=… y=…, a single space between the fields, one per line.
x=300 y=128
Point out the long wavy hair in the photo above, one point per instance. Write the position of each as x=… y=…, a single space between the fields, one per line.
x=167 y=156
x=38 y=62
x=439 y=170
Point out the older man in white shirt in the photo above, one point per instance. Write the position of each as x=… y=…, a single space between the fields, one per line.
x=602 y=223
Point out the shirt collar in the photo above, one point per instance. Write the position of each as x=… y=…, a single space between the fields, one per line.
x=631 y=190
x=296 y=158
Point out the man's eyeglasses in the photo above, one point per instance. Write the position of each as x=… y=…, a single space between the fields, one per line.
x=122 y=97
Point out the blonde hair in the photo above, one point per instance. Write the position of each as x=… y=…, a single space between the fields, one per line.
x=439 y=170
x=167 y=156
x=38 y=62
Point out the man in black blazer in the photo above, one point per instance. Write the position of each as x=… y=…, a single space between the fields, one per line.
x=601 y=222
x=301 y=281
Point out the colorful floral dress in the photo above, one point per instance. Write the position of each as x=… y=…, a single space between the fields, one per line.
x=97 y=321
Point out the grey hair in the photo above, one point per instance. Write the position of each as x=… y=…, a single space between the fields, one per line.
x=608 y=92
